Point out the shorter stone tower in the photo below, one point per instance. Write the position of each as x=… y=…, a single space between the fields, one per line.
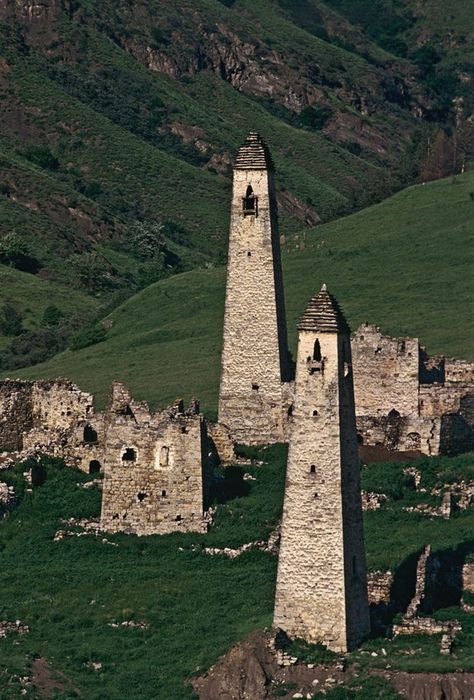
x=321 y=593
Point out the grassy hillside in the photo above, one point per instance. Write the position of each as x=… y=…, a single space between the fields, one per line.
x=405 y=264
x=194 y=606
x=113 y=113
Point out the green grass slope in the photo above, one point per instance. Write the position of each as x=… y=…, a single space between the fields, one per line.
x=195 y=606
x=405 y=264
x=32 y=295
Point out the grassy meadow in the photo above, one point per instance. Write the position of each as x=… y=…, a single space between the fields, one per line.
x=405 y=264
x=195 y=606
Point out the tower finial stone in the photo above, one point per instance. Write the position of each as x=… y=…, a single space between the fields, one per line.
x=253 y=154
x=323 y=314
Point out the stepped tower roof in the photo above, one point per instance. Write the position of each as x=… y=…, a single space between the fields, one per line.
x=323 y=315
x=254 y=154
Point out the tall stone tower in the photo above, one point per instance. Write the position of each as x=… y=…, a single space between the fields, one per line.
x=255 y=351
x=321 y=593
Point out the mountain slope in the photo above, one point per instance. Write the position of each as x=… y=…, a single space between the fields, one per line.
x=405 y=264
x=113 y=113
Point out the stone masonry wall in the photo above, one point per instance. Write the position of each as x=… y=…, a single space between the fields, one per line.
x=39 y=405
x=459 y=371
x=321 y=592
x=385 y=373
x=155 y=471
x=255 y=355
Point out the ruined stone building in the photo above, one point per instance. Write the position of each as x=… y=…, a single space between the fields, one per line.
x=157 y=466
x=255 y=360
x=321 y=592
x=406 y=400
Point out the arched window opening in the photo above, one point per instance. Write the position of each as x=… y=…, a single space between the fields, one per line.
x=250 y=203
x=90 y=435
x=255 y=387
x=141 y=496
x=94 y=467
x=129 y=455
x=164 y=456
x=163 y=494
x=312 y=469
x=249 y=254
x=317 y=351
x=315 y=413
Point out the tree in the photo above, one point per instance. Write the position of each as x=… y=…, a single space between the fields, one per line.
x=146 y=239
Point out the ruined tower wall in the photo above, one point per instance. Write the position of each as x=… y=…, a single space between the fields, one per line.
x=255 y=355
x=59 y=403
x=39 y=405
x=16 y=413
x=155 y=479
x=321 y=592
x=385 y=373
x=459 y=371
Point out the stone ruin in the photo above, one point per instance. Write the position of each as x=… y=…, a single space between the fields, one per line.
x=408 y=401
x=157 y=466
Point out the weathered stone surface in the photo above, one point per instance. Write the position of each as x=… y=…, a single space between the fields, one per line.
x=255 y=354
x=157 y=467
x=321 y=592
x=379 y=584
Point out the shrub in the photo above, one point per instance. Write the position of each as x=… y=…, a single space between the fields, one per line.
x=88 y=336
x=52 y=316
x=92 y=271
x=15 y=251
x=315 y=118
x=41 y=156
x=10 y=320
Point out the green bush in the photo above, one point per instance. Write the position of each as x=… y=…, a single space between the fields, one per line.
x=10 y=320
x=52 y=316
x=91 y=335
x=41 y=156
x=315 y=118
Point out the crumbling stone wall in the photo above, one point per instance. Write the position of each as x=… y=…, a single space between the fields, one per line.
x=39 y=405
x=404 y=433
x=385 y=373
x=406 y=400
x=156 y=476
x=157 y=467
x=459 y=371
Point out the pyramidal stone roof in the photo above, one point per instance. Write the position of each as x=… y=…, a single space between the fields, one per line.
x=254 y=154
x=323 y=314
